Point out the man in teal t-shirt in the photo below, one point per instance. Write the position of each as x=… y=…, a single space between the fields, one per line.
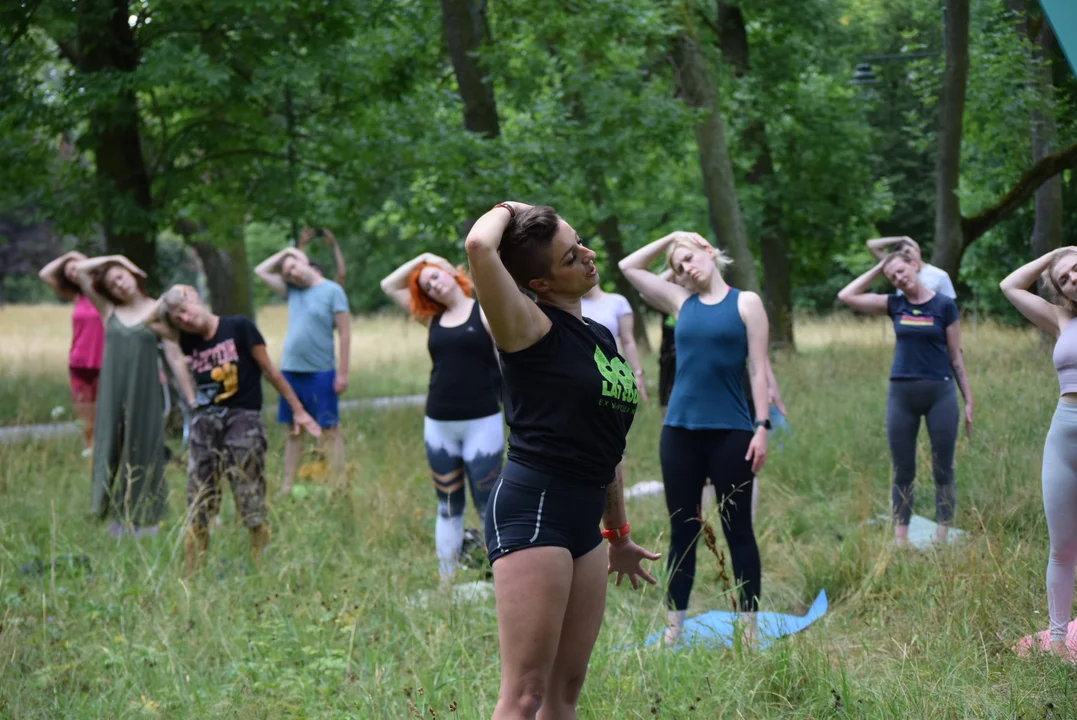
x=316 y=307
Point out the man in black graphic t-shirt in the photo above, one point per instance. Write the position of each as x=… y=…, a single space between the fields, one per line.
x=224 y=371
x=227 y=358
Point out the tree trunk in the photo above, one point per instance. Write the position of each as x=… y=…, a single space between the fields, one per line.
x=697 y=88
x=773 y=250
x=949 y=239
x=106 y=43
x=227 y=270
x=466 y=31
x=227 y=276
x=609 y=230
x=1047 y=232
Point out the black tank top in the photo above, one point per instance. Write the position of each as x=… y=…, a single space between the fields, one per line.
x=569 y=401
x=465 y=377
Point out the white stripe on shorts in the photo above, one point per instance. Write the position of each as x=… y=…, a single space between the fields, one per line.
x=538 y=517
x=493 y=509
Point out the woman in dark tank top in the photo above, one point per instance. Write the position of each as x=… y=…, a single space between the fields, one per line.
x=463 y=430
x=709 y=429
x=570 y=399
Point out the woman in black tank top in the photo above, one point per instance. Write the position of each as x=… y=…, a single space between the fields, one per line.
x=570 y=399
x=462 y=430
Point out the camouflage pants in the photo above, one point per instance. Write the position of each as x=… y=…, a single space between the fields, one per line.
x=226 y=442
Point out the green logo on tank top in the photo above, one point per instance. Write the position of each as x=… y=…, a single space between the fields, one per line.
x=618 y=383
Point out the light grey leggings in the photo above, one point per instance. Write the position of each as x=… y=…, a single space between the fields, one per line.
x=1060 y=506
x=936 y=402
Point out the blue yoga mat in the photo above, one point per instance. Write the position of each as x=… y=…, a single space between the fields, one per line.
x=716 y=627
x=781 y=430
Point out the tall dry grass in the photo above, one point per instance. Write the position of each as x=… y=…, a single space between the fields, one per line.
x=326 y=629
x=387 y=357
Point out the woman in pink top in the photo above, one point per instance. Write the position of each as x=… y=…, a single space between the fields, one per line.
x=87 y=340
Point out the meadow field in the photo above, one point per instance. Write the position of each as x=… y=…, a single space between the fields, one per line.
x=328 y=628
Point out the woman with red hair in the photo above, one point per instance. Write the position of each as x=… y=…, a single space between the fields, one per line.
x=462 y=429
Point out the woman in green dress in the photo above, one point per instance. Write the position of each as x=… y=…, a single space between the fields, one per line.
x=128 y=450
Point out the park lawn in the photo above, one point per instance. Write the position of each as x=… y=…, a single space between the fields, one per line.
x=388 y=357
x=325 y=630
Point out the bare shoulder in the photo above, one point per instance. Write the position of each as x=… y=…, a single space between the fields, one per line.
x=749 y=303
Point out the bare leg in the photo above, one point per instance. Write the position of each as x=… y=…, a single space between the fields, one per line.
x=941 y=531
x=84 y=412
x=259 y=537
x=293 y=452
x=532 y=589
x=901 y=536
x=195 y=545
x=674 y=624
x=333 y=441
x=583 y=620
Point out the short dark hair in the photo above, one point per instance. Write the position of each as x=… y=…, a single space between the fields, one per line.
x=525 y=244
x=317 y=267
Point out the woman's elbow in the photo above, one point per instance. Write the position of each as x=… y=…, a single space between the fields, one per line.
x=473 y=245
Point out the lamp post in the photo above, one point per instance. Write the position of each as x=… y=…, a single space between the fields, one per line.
x=863 y=74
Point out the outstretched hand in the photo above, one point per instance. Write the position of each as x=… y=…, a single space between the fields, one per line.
x=757 y=450
x=625 y=557
x=641 y=387
x=968 y=421
x=775 y=399
x=303 y=421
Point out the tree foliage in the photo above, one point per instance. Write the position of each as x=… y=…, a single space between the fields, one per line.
x=255 y=117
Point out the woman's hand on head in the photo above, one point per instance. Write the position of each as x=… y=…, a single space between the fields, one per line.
x=439 y=261
x=517 y=206
x=694 y=238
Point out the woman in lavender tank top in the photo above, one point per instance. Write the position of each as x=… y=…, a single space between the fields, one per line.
x=1059 y=472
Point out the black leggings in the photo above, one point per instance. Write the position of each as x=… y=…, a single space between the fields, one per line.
x=936 y=402
x=689 y=457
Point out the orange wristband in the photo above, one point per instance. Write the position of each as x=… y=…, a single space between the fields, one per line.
x=618 y=533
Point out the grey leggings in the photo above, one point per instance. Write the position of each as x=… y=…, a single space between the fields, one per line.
x=936 y=402
x=1060 y=506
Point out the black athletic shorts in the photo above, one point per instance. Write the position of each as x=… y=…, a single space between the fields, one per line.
x=532 y=509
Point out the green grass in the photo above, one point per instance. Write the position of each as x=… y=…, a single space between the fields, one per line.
x=324 y=631
x=31 y=398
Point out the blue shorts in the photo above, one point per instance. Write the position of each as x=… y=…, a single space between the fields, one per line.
x=315 y=393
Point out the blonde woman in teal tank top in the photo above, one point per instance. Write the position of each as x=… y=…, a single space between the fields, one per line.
x=709 y=430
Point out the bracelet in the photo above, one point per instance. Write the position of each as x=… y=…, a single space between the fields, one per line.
x=638 y=373
x=512 y=211
x=618 y=533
